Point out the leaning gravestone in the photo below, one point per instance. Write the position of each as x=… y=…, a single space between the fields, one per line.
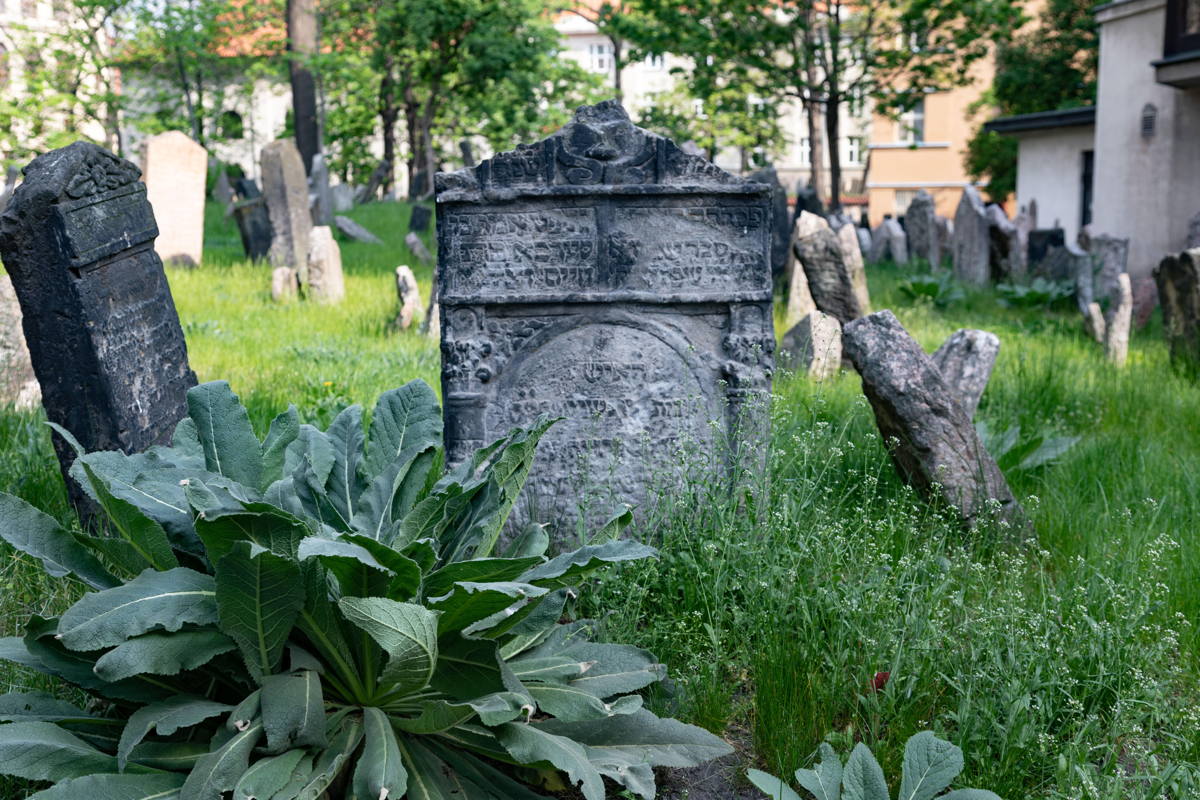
x=864 y=240
x=971 y=239
x=1110 y=255
x=285 y=187
x=408 y=298
x=349 y=228
x=1119 y=322
x=854 y=262
x=326 y=284
x=930 y=437
x=604 y=276
x=418 y=248
x=966 y=360
x=1093 y=322
x=370 y=192
x=780 y=228
x=897 y=241
x=107 y=349
x=1178 y=280
x=254 y=225
x=923 y=240
x=175 y=169
x=829 y=275
x=1006 y=261
x=418 y=222
x=468 y=155
x=799 y=299
x=808 y=200
x=18 y=386
x=813 y=345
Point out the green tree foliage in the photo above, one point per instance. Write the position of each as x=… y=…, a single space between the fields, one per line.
x=728 y=118
x=1050 y=65
x=325 y=614
x=817 y=52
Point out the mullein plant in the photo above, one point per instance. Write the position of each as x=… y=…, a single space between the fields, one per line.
x=325 y=614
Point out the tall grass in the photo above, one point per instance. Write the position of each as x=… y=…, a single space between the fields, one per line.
x=1065 y=665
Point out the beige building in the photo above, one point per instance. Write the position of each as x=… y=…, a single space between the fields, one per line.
x=1135 y=171
x=924 y=149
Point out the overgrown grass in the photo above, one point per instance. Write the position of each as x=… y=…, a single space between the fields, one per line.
x=1065 y=665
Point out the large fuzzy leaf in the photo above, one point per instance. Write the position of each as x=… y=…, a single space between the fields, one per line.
x=406 y=632
x=480 y=570
x=267 y=776
x=470 y=603
x=930 y=765
x=643 y=738
x=608 y=669
x=357 y=571
x=471 y=668
x=404 y=419
x=445 y=773
x=862 y=778
x=162 y=786
x=345 y=483
x=219 y=771
x=259 y=596
x=293 y=711
x=175 y=756
x=38 y=707
x=162 y=654
x=568 y=568
x=283 y=431
x=825 y=779
x=571 y=704
x=391 y=494
x=774 y=788
x=165 y=718
x=37 y=534
x=970 y=794
x=144 y=535
x=263 y=524
x=438 y=716
x=42 y=751
x=532 y=744
x=406 y=572
x=223 y=427
x=332 y=761
x=151 y=601
x=380 y=774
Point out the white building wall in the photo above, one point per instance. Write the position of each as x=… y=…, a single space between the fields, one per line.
x=1050 y=170
x=1146 y=188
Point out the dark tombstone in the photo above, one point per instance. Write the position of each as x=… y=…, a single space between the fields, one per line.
x=254 y=224
x=419 y=221
x=468 y=155
x=924 y=240
x=605 y=276
x=103 y=334
x=971 y=243
x=285 y=188
x=419 y=187
x=371 y=191
x=223 y=190
x=930 y=436
x=780 y=226
x=1178 y=279
x=1040 y=242
x=808 y=200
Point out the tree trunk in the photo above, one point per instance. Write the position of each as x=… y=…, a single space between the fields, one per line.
x=618 y=66
x=186 y=87
x=832 y=125
x=388 y=114
x=812 y=110
x=302 y=45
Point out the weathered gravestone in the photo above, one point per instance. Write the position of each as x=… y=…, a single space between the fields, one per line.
x=1110 y=255
x=326 y=284
x=175 y=170
x=799 y=299
x=604 y=276
x=813 y=345
x=1093 y=322
x=854 y=262
x=879 y=244
x=1006 y=261
x=1178 y=279
x=18 y=386
x=897 y=241
x=342 y=197
x=370 y=192
x=1039 y=245
x=468 y=155
x=971 y=239
x=419 y=221
x=254 y=225
x=966 y=360
x=808 y=200
x=107 y=349
x=830 y=280
x=320 y=192
x=864 y=240
x=350 y=228
x=930 y=437
x=285 y=285
x=223 y=191
x=408 y=298
x=781 y=216
x=1119 y=321
x=923 y=239
x=285 y=187
x=418 y=248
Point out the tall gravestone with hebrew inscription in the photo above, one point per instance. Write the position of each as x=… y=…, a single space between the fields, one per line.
x=604 y=276
x=103 y=334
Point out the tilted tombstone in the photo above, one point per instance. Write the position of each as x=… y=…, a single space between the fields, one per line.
x=418 y=222
x=780 y=230
x=350 y=228
x=107 y=348
x=175 y=169
x=370 y=192
x=930 y=436
x=808 y=200
x=923 y=239
x=18 y=385
x=285 y=187
x=813 y=345
x=971 y=261
x=1178 y=279
x=897 y=241
x=1040 y=241
x=1093 y=323
x=418 y=248
x=1119 y=321
x=326 y=284
x=468 y=155
x=254 y=225
x=966 y=360
x=604 y=276
x=322 y=195
x=1110 y=255
x=799 y=298
x=408 y=298
x=1004 y=248
x=829 y=275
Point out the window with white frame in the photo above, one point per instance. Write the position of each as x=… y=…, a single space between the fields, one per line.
x=854 y=149
x=913 y=123
x=805 y=150
x=600 y=56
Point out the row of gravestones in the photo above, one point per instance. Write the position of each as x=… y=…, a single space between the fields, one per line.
x=601 y=275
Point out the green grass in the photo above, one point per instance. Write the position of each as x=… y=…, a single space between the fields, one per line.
x=1064 y=665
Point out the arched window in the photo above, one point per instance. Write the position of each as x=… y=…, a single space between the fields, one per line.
x=1149 y=120
x=229 y=125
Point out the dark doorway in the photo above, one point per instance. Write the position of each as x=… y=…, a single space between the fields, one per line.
x=1085 y=198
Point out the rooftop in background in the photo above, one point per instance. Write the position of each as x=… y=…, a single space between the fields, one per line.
x=1041 y=120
